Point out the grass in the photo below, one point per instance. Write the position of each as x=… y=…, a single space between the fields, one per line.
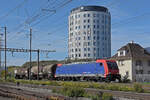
x=136 y=87
x=78 y=91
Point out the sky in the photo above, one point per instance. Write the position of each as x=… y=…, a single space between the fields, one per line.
x=49 y=22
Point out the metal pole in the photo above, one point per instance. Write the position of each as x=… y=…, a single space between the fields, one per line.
x=30 y=53
x=5 y=54
x=0 y=48
x=38 y=57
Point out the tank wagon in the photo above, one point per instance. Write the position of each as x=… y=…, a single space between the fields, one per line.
x=101 y=70
x=45 y=72
x=21 y=73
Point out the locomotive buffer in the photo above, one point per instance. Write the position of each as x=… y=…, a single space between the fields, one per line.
x=28 y=50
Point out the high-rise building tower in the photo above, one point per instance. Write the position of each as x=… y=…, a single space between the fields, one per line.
x=89 y=33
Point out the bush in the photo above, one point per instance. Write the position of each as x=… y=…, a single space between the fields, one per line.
x=125 y=79
x=72 y=91
x=113 y=87
x=138 y=88
x=107 y=96
x=95 y=97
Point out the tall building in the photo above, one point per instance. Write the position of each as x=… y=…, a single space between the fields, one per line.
x=89 y=33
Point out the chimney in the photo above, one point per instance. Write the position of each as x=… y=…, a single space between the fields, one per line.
x=132 y=42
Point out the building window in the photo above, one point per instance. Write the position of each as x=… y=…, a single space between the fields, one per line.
x=75 y=16
x=127 y=73
x=72 y=55
x=138 y=63
x=149 y=63
x=139 y=71
x=121 y=53
x=94 y=37
x=88 y=37
x=79 y=44
x=84 y=37
x=78 y=21
x=121 y=62
x=97 y=21
x=78 y=16
x=97 y=32
x=76 y=50
x=76 y=55
x=84 y=21
x=94 y=43
x=97 y=37
x=88 y=26
x=94 y=32
x=79 y=55
x=94 y=49
x=88 y=20
x=79 y=38
x=97 y=26
x=84 y=49
x=94 y=15
x=88 y=49
x=72 y=50
x=88 y=43
x=88 y=15
x=79 y=49
x=93 y=21
x=79 y=33
x=84 y=26
x=97 y=15
x=84 y=15
x=88 y=54
x=84 y=55
x=93 y=26
x=78 y=27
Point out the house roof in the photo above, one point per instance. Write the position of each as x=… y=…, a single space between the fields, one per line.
x=133 y=50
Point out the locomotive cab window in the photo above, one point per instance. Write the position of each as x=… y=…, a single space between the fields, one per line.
x=112 y=65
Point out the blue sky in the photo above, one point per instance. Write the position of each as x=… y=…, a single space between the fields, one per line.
x=130 y=21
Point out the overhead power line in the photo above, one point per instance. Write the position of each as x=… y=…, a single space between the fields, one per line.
x=125 y=21
x=12 y=10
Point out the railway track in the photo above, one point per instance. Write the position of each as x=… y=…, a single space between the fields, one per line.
x=44 y=91
x=27 y=93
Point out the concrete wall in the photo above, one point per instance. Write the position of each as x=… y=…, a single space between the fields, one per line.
x=131 y=67
x=125 y=68
x=146 y=70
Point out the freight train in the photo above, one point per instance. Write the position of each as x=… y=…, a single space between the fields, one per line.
x=101 y=70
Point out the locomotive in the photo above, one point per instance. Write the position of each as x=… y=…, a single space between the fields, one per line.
x=101 y=70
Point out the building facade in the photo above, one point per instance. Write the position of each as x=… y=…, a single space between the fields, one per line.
x=134 y=62
x=89 y=33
